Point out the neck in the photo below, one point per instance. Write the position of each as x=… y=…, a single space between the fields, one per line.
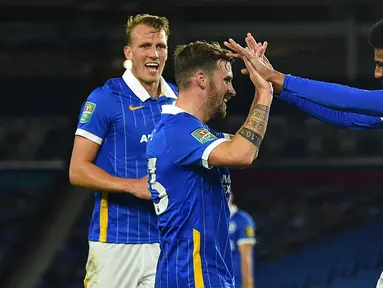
x=153 y=88
x=193 y=104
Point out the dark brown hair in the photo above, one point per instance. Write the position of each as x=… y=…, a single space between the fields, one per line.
x=199 y=55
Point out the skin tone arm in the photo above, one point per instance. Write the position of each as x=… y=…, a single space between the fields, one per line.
x=83 y=173
x=246 y=252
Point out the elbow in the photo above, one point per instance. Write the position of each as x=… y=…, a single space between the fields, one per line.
x=74 y=175
x=247 y=160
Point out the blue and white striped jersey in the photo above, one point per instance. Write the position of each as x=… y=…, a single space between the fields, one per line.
x=242 y=231
x=120 y=117
x=191 y=201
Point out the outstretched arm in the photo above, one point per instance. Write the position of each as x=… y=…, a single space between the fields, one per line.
x=335 y=96
x=330 y=116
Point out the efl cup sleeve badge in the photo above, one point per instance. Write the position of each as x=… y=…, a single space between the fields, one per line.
x=203 y=135
x=89 y=108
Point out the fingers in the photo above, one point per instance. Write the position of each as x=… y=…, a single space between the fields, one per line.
x=250 y=42
x=263 y=49
x=228 y=45
x=232 y=45
x=239 y=50
x=233 y=55
x=254 y=52
x=249 y=66
x=264 y=46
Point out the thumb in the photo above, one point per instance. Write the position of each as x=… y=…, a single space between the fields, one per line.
x=245 y=71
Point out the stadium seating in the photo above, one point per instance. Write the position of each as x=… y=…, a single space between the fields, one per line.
x=351 y=259
x=18 y=210
x=68 y=267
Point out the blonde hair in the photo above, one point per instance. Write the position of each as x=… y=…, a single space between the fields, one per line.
x=157 y=22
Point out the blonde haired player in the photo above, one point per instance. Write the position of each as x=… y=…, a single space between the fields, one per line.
x=109 y=157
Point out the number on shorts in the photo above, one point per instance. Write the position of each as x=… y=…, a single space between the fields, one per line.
x=161 y=206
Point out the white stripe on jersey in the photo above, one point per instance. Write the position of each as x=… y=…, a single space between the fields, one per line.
x=88 y=135
x=143 y=114
x=216 y=252
x=125 y=151
x=151 y=111
x=206 y=153
x=204 y=226
x=246 y=241
x=138 y=208
x=115 y=171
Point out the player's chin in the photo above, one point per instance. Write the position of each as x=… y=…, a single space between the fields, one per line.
x=222 y=112
x=152 y=77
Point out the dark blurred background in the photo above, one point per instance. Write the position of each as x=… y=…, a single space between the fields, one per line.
x=315 y=192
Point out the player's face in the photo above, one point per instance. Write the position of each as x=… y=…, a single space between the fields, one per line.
x=378 y=64
x=148 y=51
x=220 y=89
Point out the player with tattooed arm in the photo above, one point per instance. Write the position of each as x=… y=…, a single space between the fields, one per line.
x=188 y=167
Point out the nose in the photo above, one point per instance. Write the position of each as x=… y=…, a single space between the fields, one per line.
x=232 y=91
x=153 y=53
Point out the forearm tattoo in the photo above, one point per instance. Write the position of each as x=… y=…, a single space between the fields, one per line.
x=261 y=111
x=254 y=128
x=261 y=126
x=251 y=135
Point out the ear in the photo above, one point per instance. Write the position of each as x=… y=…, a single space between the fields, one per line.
x=202 y=79
x=128 y=52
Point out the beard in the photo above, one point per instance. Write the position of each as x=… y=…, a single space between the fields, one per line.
x=215 y=104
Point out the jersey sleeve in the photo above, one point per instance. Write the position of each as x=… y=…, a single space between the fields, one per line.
x=220 y=134
x=246 y=231
x=191 y=142
x=347 y=120
x=95 y=117
x=336 y=96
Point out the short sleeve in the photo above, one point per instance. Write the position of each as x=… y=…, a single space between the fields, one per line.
x=95 y=117
x=191 y=142
x=246 y=231
x=221 y=135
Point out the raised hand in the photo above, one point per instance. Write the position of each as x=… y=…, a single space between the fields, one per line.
x=252 y=44
x=254 y=52
x=249 y=56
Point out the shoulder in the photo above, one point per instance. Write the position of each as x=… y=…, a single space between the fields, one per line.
x=102 y=94
x=177 y=119
x=245 y=217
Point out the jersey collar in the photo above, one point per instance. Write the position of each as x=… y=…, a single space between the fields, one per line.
x=132 y=82
x=172 y=109
x=233 y=210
